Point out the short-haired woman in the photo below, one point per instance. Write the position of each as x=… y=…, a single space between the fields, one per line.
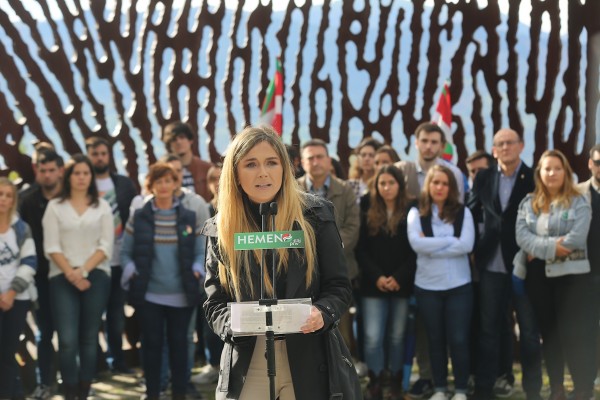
x=163 y=255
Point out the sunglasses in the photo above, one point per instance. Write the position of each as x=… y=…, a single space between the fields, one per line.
x=596 y=162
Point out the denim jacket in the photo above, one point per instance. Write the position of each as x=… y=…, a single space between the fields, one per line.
x=570 y=223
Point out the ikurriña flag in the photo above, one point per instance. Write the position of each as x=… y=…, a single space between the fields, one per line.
x=270 y=113
x=443 y=118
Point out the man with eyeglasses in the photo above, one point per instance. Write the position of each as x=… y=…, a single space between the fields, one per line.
x=591 y=189
x=494 y=202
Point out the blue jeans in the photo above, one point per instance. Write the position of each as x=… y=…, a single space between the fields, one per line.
x=115 y=318
x=12 y=323
x=154 y=318
x=384 y=321
x=78 y=317
x=495 y=295
x=45 y=325
x=447 y=318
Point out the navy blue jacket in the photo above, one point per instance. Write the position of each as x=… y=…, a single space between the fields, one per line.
x=143 y=253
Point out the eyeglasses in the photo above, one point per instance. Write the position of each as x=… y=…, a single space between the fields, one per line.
x=506 y=143
x=596 y=162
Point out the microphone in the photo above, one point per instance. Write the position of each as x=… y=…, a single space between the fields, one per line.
x=273 y=210
x=264 y=210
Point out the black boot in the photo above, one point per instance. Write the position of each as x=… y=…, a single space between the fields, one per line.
x=373 y=389
x=385 y=382
x=557 y=392
x=84 y=390
x=70 y=392
x=396 y=393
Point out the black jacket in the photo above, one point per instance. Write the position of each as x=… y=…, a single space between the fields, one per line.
x=125 y=191
x=31 y=208
x=498 y=226
x=330 y=291
x=384 y=254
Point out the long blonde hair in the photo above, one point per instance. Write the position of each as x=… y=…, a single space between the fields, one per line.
x=541 y=196
x=4 y=181
x=233 y=215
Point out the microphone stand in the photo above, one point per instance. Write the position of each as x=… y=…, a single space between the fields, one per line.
x=265 y=210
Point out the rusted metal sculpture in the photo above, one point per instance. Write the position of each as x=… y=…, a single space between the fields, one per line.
x=50 y=68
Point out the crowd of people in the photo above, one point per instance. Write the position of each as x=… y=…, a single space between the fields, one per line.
x=403 y=260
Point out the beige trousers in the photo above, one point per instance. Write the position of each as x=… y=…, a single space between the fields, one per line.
x=256 y=385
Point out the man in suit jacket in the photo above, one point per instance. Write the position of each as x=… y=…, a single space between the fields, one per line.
x=430 y=142
x=591 y=189
x=318 y=180
x=494 y=202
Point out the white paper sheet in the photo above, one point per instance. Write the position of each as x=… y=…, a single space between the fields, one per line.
x=249 y=318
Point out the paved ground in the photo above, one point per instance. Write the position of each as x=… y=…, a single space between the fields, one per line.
x=128 y=388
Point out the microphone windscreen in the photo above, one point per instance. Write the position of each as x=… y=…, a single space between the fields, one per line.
x=273 y=208
x=264 y=208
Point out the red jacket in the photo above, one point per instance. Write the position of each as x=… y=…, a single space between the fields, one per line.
x=199 y=168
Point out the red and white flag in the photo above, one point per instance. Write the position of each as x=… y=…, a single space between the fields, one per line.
x=443 y=118
x=270 y=113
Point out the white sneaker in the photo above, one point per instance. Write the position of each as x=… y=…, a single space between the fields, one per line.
x=209 y=374
x=439 y=396
x=503 y=388
x=459 y=396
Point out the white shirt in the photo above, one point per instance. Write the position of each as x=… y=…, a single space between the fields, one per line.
x=76 y=236
x=442 y=260
x=9 y=258
x=106 y=190
x=10 y=263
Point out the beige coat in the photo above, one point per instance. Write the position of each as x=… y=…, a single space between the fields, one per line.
x=347 y=218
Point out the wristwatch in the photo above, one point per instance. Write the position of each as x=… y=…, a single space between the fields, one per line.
x=84 y=272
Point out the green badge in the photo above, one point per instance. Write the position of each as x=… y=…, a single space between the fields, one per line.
x=269 y=240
